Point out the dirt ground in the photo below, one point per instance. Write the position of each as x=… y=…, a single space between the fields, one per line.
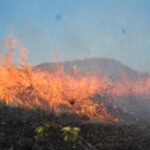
x=17 y=132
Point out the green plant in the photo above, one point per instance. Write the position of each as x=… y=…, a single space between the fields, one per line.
x=70 y=134
x=41 y=131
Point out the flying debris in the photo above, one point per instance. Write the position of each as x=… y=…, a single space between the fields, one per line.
x=123 y=31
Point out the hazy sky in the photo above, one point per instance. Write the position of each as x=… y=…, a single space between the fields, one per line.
x=71 y=29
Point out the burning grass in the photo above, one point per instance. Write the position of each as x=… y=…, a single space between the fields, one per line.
x=23 y=85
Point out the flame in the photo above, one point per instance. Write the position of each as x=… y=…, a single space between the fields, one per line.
x=28 y=87
x=31 y=88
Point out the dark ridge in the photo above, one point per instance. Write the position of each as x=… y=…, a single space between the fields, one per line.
x=104 y=67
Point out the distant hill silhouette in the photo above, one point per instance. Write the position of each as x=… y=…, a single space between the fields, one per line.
x=95 y=66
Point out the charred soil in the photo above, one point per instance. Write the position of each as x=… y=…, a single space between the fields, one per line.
x=17 y=132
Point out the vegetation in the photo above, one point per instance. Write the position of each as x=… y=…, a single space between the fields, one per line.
x=41 y=131
x=70 y=133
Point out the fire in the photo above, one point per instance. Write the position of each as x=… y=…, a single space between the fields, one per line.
x=26 y=86
x=31 y=88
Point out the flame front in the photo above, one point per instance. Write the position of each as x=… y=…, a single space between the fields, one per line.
x=29 y=87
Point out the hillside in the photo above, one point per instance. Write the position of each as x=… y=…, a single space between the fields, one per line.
x=95 y=66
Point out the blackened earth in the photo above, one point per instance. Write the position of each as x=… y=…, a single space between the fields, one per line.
x=17 y=132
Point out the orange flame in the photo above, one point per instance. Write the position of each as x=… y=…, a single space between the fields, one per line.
x=32 y=88
x=27 y=87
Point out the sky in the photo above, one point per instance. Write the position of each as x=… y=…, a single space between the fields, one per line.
x=77 y=29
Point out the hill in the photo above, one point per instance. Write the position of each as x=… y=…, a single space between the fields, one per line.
x=95 y=66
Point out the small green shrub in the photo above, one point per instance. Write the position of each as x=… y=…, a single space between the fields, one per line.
x=70 y=134
x=41 y=131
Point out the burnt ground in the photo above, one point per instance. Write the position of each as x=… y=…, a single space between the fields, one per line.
x=17 y=127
